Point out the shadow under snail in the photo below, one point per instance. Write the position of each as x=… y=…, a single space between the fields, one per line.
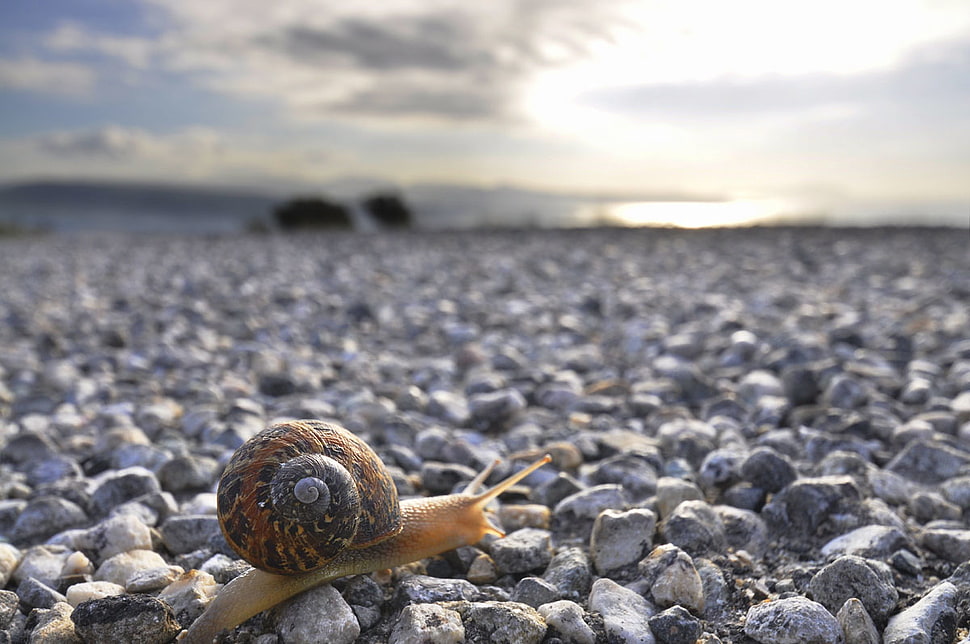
x=306 y=502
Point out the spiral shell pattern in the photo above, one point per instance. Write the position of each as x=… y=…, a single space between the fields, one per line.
x=297 y=493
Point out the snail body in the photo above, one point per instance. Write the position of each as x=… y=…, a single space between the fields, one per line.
x=307 y=502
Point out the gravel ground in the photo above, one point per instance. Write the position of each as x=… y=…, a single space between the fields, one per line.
x=758 y=436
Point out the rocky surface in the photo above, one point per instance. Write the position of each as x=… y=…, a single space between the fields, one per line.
x=757 y=435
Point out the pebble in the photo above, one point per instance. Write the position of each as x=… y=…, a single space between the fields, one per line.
x=928 y=461
x=521 y=551
x=695 y=527
x=856 y=623
x=534 y=591
x=621 y=538
x=873 y=541
x=422 y=589
x=123 y=485
x=805 y=504
x=318 y=616
x=932 y=619
x=668 y=577
x=189 y=594
x=625 y=613
x=565 y=621
x=793 y=620
x=570 y=572
x=121 y=567
x=53 y=625
x=125 y=618
x=500 y=622
x=44 y=516
x=423 y=623
x=575 y=514
x=8 y=607
x=9 y=560
x=767 y=469
x=36 y=594
x=675 y=626
x=849 y=576
x=43 y=563
x=672 y=491
x=952 y=544
x=182 y=534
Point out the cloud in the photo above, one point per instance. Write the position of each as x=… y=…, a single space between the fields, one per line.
x=116 y=143
x=71 y=37
x=47 y=77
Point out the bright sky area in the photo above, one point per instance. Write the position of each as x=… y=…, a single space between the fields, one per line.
x=821 y=105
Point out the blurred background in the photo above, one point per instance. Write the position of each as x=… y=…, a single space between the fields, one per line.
x=185 y=115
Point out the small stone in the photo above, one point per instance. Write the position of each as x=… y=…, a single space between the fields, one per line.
x=672 y=491
x=119 y=568
x=84 y=591
x=625 y=613
x=807 y=503
x=501 y=622
x=621 y=539
x=8 y=607
x=318 y=616
x=743 y=529
x=151 y=580
x=442 y=478
x=523 y=550
x=950 y=544
x=720 y=468
x=114 y=535
x=190 y=594
x=928 y=462
x=675 y=626
x=45 y=516
x=182 y=534
x=9 y=560
x=767 y=469
x=927 y=506
x=871 y=582
x=422 y=589
x=932 y=619
x=123 y=485
x=36 y=594
x=482 y=570
x=188 y=473
x=695 y=527
x=43 y=563
x=669 y=578
x=565 y=619
x=53 y=625
x=871 y=541
x=126 y=618
x=856 y=623
x=449 y=407
x=423 y=623
x=845 y=392
x=794 y=620
x=534 y=591
x=524 y=515
x=957 y=490
x=570 y=572
x=495 y=407
x=557 y=488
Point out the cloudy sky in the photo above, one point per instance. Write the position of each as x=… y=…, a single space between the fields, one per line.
x=833 y=102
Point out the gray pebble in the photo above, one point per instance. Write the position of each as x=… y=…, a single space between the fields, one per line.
x=675 y=625
x=872 y=541
x=501 y=622
x=952 y=544
x=123 y=485
x=449 y=407
x=565 y=620
x=932 y=619
x=669 y=578
x=695 y=527
x=625 y=613
x=442 y=478
x=52 y=625
x=423 y=623
x=621 y=538
x=45 y=516
x=317 y=616
x=928 y=462
x=849 y=576
x=183 y=534
x=534 y=591
x=188 y=473
x=126 y=618
x=569 y=571
x=495 y=407
x=856 y=623
x=807 y=503
x=521 y=551
x=794 y=620
x=576 y=513
x=767 y=469
x=421 y=589
x=36 y=594
x=8 y=607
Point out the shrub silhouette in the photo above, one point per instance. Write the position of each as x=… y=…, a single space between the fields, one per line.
x=311 y=212
x=388 y=210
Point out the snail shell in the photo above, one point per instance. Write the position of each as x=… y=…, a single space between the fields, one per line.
x=298 y=493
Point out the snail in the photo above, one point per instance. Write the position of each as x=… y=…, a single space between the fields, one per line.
x=306 y=502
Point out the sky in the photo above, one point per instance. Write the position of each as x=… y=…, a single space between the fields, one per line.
x=823 y=105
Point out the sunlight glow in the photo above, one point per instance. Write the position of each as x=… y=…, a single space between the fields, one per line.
x=693 y=214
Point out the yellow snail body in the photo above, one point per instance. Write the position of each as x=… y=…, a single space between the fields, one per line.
x=306 y=502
